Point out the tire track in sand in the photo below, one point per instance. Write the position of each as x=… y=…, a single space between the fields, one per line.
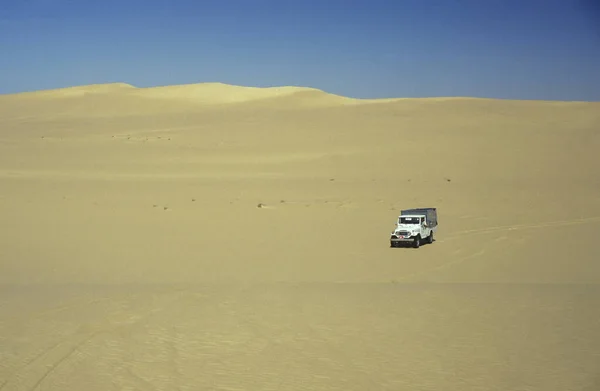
x=32 y=374
x=489 y=230
x=507 y=228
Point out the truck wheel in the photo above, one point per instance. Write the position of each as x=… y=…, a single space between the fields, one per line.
x=430 y=239
x=417 y=241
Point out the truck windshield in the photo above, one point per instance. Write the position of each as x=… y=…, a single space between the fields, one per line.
x=409 y=220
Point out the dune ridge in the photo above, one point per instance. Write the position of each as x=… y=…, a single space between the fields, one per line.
x=74 y=91
x=117 y=100
x=218 y=92
x=206 y=93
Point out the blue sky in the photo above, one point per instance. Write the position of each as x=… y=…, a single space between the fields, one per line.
x=527 y=49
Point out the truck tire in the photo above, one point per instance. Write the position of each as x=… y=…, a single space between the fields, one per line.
x=430 y=238
x=417 y=241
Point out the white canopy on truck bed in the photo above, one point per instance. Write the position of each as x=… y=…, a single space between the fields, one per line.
x=429 y=213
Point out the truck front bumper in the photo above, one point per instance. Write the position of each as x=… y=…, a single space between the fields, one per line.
x=403 y=239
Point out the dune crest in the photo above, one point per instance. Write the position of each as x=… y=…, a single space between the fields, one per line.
x=222 y=93
x=76 y=91
x=219 y=93
x=201 y=93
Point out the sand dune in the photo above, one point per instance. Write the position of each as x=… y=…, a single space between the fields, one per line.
x=124 y=100
x=134 y=255
x=216 y=93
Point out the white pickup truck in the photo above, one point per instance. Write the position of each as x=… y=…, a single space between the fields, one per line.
x=414 y=226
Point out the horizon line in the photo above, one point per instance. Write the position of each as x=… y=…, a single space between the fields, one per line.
x=125 y=84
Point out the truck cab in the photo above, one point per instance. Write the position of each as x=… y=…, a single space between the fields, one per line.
x=414 y=226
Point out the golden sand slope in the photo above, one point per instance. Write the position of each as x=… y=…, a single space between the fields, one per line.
x=133 y=254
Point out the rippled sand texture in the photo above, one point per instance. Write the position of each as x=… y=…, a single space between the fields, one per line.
x=216 y=237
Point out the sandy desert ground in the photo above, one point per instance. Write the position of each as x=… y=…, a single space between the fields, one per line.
x=134 y=256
